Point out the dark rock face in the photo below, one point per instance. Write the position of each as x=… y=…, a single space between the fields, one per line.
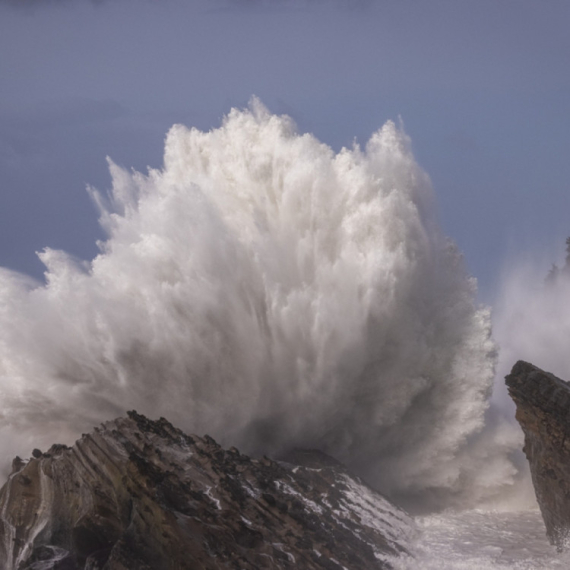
x=543 y=411
x=138 y=495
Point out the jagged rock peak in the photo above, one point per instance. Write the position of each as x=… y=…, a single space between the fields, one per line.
x=543 y=411
x=137 y=494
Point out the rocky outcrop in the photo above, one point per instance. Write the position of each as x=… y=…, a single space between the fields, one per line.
x=137 y=494
x=543 y=411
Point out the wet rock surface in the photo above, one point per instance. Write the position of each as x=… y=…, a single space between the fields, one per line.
x=137 y=494
x=543 y=411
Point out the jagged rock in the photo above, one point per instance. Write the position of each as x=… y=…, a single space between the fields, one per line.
x=543 y=411
x=17 y=464
x=139 y=495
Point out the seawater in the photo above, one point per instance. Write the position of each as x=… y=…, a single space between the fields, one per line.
x=483 y=540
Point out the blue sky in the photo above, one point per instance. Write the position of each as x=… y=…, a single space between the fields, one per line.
x=483 y=89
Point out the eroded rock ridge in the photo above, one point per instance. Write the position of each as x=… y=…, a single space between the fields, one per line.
x=137 y=494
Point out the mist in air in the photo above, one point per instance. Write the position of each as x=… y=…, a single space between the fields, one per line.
x=272 y=293
x=532 y=314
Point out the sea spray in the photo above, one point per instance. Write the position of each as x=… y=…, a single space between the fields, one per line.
x=265 y=290
x=532 y=317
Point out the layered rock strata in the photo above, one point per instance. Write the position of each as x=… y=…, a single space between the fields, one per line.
x=137 y=494
x=543 y=411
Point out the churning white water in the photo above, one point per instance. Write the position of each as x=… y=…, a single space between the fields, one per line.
x=483 y=540
x=269 y=292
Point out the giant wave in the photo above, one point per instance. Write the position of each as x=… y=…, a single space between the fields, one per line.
x=266 y=290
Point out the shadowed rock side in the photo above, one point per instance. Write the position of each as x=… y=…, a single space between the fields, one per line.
x=543 y=411
x=138 y=494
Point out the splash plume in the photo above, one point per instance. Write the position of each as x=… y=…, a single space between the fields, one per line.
x=532 y=320
x=265 y=290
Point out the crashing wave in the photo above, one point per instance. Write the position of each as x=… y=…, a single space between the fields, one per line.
x=261 y=288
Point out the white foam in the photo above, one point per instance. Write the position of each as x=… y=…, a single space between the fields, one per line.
x=272 y=293
x=483 y=540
